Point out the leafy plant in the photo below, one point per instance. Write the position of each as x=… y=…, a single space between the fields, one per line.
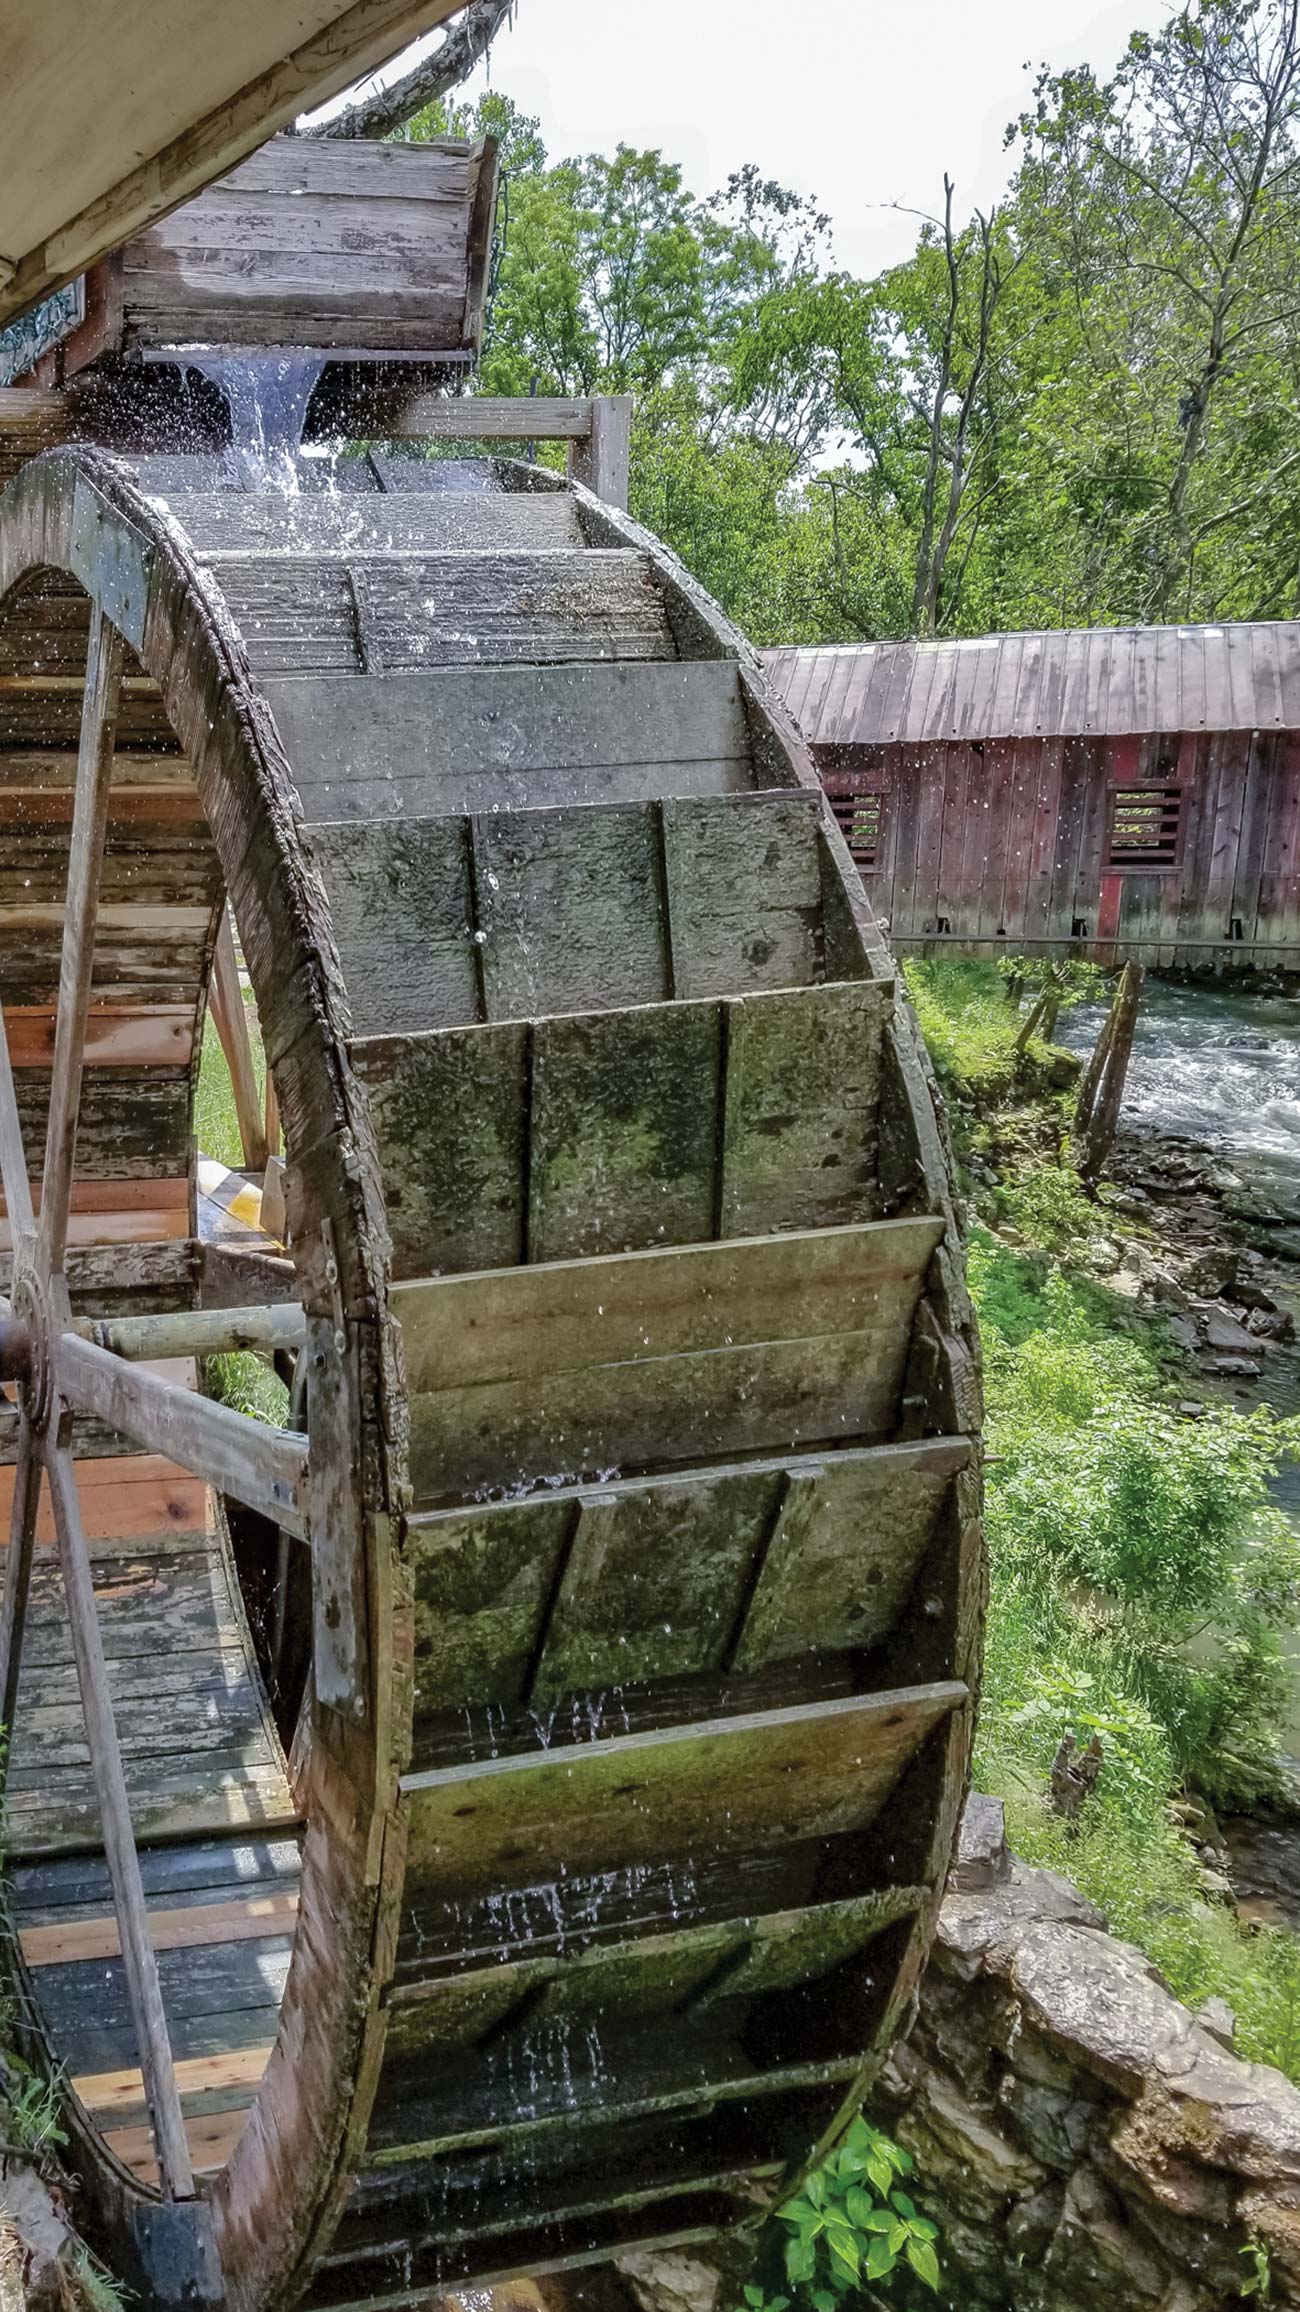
x=1259 y=2281
x=852 y=2223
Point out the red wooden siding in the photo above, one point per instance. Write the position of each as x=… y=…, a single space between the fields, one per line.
x=1124 y=793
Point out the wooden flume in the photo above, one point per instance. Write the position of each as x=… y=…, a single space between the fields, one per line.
x=495 y=1818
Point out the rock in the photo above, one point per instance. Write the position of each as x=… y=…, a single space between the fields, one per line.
x=1250 y=1294
x=1167 y=1291
x=667 y=2281
x=1271 y=1325
x=972 y=1924
x=1190 y=1409
x=1183 y=1331
x=1217 y=2017
x=982 y=1857
x=1221 y=1329
x=1236 y=1368
x=1212 y=1273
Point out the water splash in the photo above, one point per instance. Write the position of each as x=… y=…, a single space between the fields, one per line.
x=267 y=395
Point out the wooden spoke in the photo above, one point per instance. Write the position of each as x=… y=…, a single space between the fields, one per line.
x=264 y=1468
x=89 y=823
x=13 y=1159
x=18 y=1568
x=140 y=1964
x=230 y=1018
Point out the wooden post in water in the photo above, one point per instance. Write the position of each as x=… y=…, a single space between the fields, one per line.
x=1096 y=1116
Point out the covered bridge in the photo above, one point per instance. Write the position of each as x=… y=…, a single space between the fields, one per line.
x=1122 y=793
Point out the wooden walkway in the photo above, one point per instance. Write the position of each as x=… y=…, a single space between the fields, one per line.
x=210 y=1799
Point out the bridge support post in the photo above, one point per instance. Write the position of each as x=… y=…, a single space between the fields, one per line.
x=1096 y=1116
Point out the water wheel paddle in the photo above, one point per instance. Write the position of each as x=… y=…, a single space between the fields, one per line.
x=630 y=1493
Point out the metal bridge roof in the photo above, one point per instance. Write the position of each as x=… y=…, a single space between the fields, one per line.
x=114 y=111
x=1107 y=681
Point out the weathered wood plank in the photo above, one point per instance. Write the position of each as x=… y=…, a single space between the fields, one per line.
x=237 y=523
x=816 y=1771
x=578 y=1367
x=485 y=738
x=654 y=1976
x=623 y=1130
x=482 y=608
x=569 y=907
x=450 y=1114
x=744 y=885
x=802 y=1107
x=586 y=1589
x=403 y=906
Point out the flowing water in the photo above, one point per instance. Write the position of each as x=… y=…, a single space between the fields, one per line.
x=1221 y=1067
x=267 y=396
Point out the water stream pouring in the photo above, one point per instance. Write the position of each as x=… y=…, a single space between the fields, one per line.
x=267 y=395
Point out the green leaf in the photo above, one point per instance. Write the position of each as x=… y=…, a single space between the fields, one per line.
x=904 y=2206
x=924 y=2229
x=879 y=2172
x=800 y=2261
x=924 y=2262
x=823 y=2300
x=880 y=2260
x=860 y=2208
x=879 y=2220
x=797 y=2211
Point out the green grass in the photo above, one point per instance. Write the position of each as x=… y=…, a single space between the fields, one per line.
x=1139 y=1575
x=215 y=1121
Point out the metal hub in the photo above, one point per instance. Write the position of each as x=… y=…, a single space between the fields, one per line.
x=25 y=1345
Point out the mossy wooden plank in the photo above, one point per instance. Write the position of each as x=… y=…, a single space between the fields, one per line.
x=819 y=1770
x=652 y=1574
x=790 y=1948
x=569 y=908
x=845 y=1550
x=588 y=1314
x=402 y=906
x=802 y=1107
x=504 y=737
x=653 y=1582
x=482 y=1580
x=623 y=1130
x=621 y=1364
x=450 y=1117
x=744 y=885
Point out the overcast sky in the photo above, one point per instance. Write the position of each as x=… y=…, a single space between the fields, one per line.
x=862 y=103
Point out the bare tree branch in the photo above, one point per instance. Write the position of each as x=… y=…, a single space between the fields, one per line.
x=386 y=109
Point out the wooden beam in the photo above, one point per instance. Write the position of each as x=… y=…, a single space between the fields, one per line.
x=230 y=1018
x=85 y=857
x=265 y=1468
x=197 y=1332
x=18 y=1572
x=14 y=1176
x=488 y=417
x=140 y=1964
x=601 y=463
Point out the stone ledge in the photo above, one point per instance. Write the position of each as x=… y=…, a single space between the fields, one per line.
x=1083 y=2141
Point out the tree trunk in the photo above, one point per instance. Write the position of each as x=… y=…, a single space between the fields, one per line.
x=1097 y=1130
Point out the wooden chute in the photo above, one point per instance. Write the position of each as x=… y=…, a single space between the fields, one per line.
x=111 y=116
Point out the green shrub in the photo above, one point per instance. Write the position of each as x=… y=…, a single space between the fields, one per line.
x=1050 y=1207
x=852 y=2232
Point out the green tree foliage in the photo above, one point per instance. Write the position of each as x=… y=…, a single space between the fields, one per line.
x=1081 y=406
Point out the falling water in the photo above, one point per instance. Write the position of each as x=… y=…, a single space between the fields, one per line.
x=267 y=395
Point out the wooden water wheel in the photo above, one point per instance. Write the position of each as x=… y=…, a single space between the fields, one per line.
x=630 y=1490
